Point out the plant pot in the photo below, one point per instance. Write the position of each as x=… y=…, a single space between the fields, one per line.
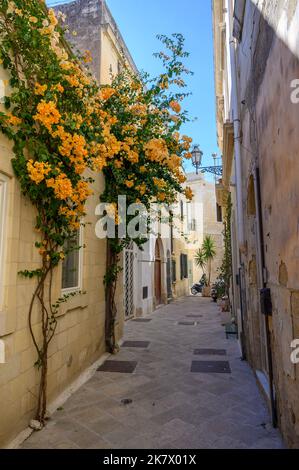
x=206 y=291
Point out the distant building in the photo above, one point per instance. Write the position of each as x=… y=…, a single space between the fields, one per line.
x=204 y=217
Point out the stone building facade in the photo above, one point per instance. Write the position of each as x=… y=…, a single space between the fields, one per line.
x=256 y=75
x=203 y=218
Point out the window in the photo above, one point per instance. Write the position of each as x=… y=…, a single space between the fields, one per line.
x=182 y=210
x=184 y=266
x=219 y=213
x=3 y=196
x=192 y=225
x=171 y=232
x=72 y=264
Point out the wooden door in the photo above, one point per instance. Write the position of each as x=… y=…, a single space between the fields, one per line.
x=158 y=289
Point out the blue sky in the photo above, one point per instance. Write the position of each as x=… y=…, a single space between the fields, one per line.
x=141 y=20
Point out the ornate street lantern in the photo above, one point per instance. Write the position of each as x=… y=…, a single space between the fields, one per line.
x=197 y=155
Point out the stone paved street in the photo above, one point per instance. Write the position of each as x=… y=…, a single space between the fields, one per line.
x=171 y=406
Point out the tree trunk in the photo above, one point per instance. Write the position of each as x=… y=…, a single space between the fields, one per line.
x=110 y=288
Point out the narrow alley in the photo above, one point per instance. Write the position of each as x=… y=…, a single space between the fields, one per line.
x=160 y=398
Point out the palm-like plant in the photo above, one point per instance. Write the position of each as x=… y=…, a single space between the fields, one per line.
x=209 y=253
x=200 y=259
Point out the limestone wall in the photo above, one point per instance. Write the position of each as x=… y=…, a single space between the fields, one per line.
x=270 y=130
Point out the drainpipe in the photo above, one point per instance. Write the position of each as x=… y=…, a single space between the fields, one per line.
x=237 y=125
x=234 y=106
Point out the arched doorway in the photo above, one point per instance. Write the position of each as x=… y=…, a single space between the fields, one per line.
x=158 y=276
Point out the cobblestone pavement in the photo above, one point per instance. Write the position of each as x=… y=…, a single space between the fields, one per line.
x=171 y=406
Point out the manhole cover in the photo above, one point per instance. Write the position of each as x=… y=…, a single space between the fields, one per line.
x=210 y=352
x=187 y=323
x=205 y=367
x=124 y=367
x=136 y=344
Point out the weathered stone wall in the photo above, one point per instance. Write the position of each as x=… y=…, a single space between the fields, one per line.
x=267 y=65
x=92 y=27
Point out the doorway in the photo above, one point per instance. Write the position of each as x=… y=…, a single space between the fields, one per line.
x=158 y=276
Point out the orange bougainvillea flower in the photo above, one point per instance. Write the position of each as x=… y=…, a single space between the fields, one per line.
x=33 y=19
x=37 y=171
x=87 y=58
x=129 y=183
x=62 y=186
x=156 y=150
x=189 y=193
x=47 y=114
x=40 y=89
x=107 y=92
x=14 y=120
x=175 y=106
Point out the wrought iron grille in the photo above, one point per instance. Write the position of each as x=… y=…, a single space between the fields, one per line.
x=129 y=281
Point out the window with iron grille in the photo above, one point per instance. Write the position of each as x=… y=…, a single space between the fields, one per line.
x=72 y=264
x=129 y=281
x=184 y=266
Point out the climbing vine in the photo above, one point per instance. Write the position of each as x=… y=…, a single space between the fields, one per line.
x=53 y=115
x=225 y=270
x=64 y=128
x=148 y=164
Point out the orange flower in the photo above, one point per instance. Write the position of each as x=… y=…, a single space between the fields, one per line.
x=161 y=197
x=189 y=193
x=156 y=150
x=175 y=106
x=129 y=183
x=38 y=170
x=14 y=120
x=87 y=57
x=40 y=89
x=107 y=92
x=33 y=19
x=62 y=186
x=47 y=114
